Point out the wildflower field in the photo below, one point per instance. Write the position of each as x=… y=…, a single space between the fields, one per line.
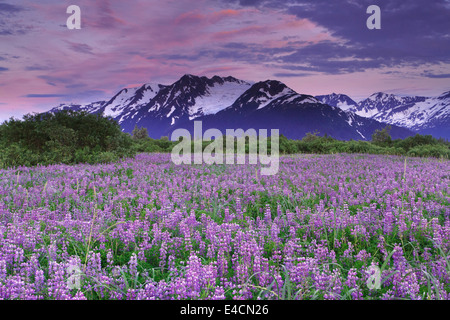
x=145 y=228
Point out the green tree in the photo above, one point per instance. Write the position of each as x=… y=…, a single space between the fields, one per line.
x=309 y=137
x=139 y=133
x=382 y=137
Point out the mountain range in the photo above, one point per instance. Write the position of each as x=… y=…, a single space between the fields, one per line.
x=424 y=115
x=230 y=103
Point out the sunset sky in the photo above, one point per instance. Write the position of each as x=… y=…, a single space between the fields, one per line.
x=315 y=47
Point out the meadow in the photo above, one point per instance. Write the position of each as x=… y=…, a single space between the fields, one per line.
x=144 y=228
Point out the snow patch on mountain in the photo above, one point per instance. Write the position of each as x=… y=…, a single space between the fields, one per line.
x=267 y=98
x=218 y=97
x=93 y=107
x=116 y=105
x=338 y=100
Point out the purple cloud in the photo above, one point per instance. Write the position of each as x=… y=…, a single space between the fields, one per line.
x=288 y=75
x=412 y=33
x=39 y=95
x=8 y=26
x=437 y=76
x=6 y=8
x=80 y=47
x=37 y=68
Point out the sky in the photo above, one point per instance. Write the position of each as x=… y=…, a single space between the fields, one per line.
x=313 y=46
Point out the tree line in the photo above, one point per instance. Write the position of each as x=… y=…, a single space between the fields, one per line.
x=72 y=137
x=380 y=143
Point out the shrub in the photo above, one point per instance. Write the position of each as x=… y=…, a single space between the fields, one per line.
x=63 y=137
x=15 y=155
x=106 y=157
x=436 y=151
x=415 y=141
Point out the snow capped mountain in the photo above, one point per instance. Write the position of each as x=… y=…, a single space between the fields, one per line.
x=227 y=103
x=341 y=101
x=268 y=94
x=158 y=106
x=424 y=115
x=94 y=107
x=126 y=102
x=121 y=106
x=219 y=95
x=431 y=116
x=188 y=98
x=131 y=99
x=272 y=105
x=261 y=95
x=379 y=105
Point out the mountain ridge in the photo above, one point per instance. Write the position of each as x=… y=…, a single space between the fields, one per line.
x=228 y=100
x=424 y=115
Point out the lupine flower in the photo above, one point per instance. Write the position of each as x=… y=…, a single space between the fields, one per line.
x=197 y=232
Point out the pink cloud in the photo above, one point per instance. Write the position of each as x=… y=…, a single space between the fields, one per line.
x=194 y=17
x=189 y=18
x=227 y=13
x=223 y=35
